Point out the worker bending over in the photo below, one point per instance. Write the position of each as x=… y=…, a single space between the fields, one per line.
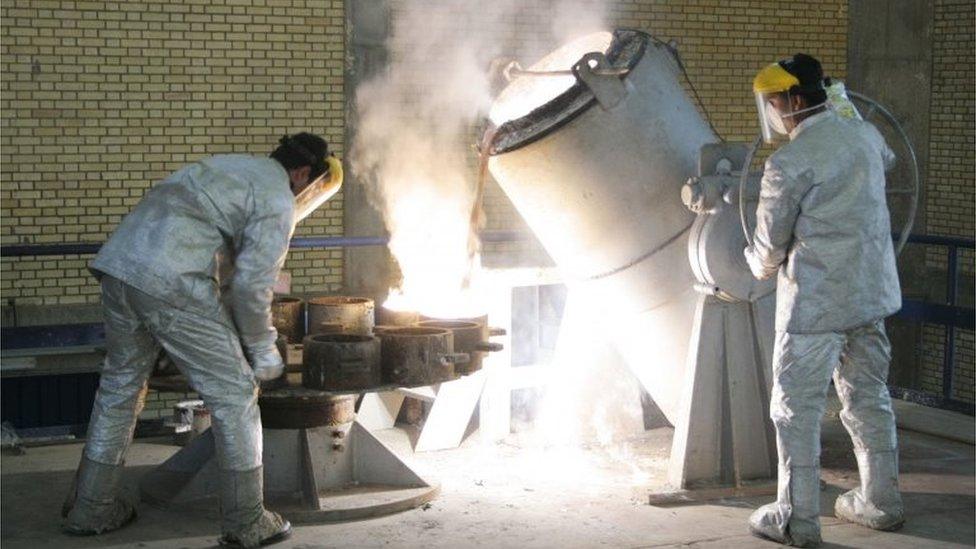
x=190 y=272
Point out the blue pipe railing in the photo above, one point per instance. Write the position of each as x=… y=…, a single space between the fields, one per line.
x=950 y=315
x=299 y=242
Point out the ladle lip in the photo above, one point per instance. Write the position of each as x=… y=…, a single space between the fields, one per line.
x=449 y=324
x=341 y=338
x=339 y=300
x=625 y=51
x=416 y=331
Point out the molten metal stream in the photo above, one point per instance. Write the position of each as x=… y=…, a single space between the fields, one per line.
x=477 y=209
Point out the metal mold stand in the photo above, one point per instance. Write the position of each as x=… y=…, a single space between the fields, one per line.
x=320 y=464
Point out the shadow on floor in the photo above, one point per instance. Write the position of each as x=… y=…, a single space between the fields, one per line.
x=31 y=507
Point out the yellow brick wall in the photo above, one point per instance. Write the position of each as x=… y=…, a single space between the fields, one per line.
x=950 y=205
x=952 y=154
x=100 y=99
x=121 y=93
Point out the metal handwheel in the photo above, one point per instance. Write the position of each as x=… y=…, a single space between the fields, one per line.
x=901 y=182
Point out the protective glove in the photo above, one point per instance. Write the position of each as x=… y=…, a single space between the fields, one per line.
x=267 y=364
x=759 y=270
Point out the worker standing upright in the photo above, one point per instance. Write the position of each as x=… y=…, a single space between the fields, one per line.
x=823 y=228
x=190 y=272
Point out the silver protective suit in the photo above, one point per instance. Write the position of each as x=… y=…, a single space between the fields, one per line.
x=197 y=258
x=823 y=226
x=230 y=210
x=93 y=506
x=190 y=271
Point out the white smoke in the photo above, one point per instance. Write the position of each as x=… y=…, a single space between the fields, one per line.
x=418 y=123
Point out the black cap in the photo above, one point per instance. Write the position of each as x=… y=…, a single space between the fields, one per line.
x=303 y=149
x=807 y=70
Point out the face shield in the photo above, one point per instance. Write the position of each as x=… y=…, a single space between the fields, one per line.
x=771 y=81
x=320 y=190
x=770 y=119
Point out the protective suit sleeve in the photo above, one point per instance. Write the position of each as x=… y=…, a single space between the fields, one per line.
x=888 y=156
x=264 y=244
x=779 y=205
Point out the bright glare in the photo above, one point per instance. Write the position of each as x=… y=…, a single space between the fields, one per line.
x=429 y=232
x=591 y=405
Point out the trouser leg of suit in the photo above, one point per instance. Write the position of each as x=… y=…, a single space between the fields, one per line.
x=802 y=366
x=207 y=350
x=861 y=383
x=92 y=505
x=130 y=355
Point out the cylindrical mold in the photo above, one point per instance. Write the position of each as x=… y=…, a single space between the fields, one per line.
x=391 y=317
x=341 y=362
x=482 y=320
x=328 y=328
x=301 y=408
x=469 y=337
x=596 y=171
x=288 y=317
x=415 y=356
x=354 y=314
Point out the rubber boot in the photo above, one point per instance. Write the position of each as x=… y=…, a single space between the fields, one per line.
x=794 y=518
x=92 y=506
x=877 y=502
x=244 y=520
x=69 y=500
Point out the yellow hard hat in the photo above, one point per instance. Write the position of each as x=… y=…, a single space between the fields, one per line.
x=773 y=78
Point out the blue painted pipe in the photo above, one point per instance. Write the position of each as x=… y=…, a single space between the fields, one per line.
x=302 y=242
x=305 y=242
x=936 y=240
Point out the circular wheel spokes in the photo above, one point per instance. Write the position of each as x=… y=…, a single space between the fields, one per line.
x=743 y=180
x=901 y=182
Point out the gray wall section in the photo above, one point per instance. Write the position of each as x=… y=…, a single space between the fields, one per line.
x=889 y=58
x=367 y=270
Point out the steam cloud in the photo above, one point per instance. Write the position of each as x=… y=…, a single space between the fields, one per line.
x=414 y=142
x=419 y=120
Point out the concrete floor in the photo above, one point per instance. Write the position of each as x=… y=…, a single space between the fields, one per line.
x=506 y=495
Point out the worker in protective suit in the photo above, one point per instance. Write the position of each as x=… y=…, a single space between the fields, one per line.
x=190 y=272
x=823 y=228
